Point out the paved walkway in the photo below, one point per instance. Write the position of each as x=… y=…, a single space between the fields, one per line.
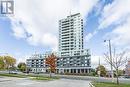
x=24 y=82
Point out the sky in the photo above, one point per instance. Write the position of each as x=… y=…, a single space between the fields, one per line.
x=34 y=26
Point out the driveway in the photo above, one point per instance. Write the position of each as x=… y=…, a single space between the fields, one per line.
x=25 y=82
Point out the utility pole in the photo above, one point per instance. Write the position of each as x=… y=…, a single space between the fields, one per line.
x=110 y=59
x=99 y=72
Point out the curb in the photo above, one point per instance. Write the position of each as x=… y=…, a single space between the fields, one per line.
x=91 y=85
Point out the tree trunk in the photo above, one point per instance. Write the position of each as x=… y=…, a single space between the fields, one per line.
x=117 y=77
x=50 y=73
x=8 y=69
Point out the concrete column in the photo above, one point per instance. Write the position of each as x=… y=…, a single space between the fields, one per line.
x=87 y=70
x=73 y=70
x=69 y=70
x=59 y=70
x=56 y=71
x=80 y=71
x=76 y=70
x=84 y=70
x=62 y=70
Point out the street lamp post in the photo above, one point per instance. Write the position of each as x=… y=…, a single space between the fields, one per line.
x=110 y=59
x=99 y=71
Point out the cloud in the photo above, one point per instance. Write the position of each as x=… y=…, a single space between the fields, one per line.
x=85 y=6
x=120 y=35
x=18 y=29
x=117 y=14
x=114 y=13
x=37 y=20
x=89 y=36
x=23 y=59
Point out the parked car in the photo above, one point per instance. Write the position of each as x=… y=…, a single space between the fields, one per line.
x=13 y=72
x=127 y=77
x=26 y=72
x=36 y=73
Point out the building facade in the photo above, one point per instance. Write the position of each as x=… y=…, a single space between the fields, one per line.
x=36 y=62
x=71 y=57
x=70 y=34
x=75 y=63
x=127 y=69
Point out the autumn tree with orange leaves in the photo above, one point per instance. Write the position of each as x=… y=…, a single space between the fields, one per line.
x=51 y=63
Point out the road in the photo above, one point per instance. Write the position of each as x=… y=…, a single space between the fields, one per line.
x=98 y=79
x=89 y=78
x=25 y=82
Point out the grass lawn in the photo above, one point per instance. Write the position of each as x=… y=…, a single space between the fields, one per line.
x=33 y=77
x=13 y=75
x=104 y=84
x=41 y=78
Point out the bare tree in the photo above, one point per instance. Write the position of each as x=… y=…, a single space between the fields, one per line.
x=117 y=60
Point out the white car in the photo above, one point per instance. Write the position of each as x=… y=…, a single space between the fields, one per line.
x=13 y=72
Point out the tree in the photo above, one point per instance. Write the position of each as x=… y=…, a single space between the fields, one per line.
x=93 y=72
x=117 y=60
x=121 y=72
x=9 y=62
x=22 y=66
x=2 y=65
x=102 y=70
x=51 y=63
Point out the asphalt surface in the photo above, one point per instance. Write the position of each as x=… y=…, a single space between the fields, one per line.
x=25 y=82
x=89 y=78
